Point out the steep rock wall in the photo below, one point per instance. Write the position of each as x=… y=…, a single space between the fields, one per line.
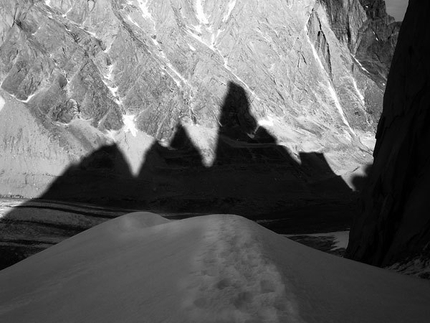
x=395 y=224
x=371 y=35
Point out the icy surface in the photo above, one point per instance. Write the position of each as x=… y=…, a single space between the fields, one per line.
x=200 y=13
x=145 y=10
x=129 y=125
x=1 y=103
x=360 y=95
x=219 y=268
x=231 y=6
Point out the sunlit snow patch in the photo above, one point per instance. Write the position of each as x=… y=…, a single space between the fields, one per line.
x=329 y=86
x=111 y=134
x=145 y=10
x=267 y=122
x=2 y=102
x=359 y=64
x=176 y=76
x=133 y=22
x=200 y=14
x=129 y=125
x=360 y=95
x=23 y=101
x=231 y=6
x=200 y=39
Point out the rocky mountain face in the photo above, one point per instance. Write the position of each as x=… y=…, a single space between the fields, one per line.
x=378 y=40
x=394 y=227
x=368 y=31
x=78 y=75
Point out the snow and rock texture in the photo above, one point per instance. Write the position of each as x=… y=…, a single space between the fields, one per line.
x=370 y=34
x=217 y=268
x=394 y=227
x=378 y=39
x=86 y=73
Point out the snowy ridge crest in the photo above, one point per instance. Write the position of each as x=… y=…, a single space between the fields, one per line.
x=234 y=280
x=215 y=268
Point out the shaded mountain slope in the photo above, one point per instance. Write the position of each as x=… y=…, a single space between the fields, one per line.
x=394 y=225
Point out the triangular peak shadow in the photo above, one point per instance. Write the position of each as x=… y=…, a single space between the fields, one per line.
x=236 y=121
x=251 y=176
x=94 y=176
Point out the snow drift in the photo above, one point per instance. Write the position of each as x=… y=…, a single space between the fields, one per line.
x=220 y=268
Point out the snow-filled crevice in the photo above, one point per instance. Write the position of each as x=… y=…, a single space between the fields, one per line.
x=67 y=12
x=230 y=8
x=328 y=84
x=175 y=75
x=146 y=13
x=213 y=48
x=169 y=68
x=359 y=64
x=200 y=39
x=133 y=21
x=2 y=103
x=111 y=134
x=20 y=100
x=129 y=125
x=110 y=80
x=200 y=13
x=360 y=95
x=227 y=67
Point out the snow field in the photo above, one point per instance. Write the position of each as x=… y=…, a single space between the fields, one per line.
x=233 y=280
x=217 y=268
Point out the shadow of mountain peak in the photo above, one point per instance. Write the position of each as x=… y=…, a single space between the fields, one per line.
x=107 y=158
x=251 y=175
x=315 y=164
x=236 y=119
x=95 y=173
x=181 y=139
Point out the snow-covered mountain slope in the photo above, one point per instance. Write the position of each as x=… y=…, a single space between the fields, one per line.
x=218 y=268
x=89 y=72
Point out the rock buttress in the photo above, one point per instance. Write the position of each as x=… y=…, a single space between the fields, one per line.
x=394 y=225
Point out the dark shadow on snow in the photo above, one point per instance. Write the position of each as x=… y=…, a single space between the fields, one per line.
x=251 y=176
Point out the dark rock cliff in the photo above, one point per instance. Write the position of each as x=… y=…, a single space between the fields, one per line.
x=371 y=36
x=394 y=226
x=377 y=41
